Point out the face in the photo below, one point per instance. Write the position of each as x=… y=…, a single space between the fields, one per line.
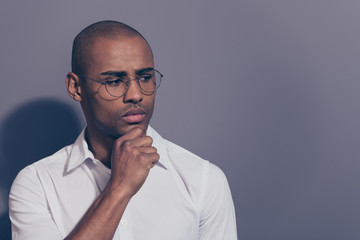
x=114 y=116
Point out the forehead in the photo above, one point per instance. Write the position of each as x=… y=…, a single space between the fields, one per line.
x=119 y=54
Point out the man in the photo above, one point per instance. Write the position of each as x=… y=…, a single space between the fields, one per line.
x=120 y=179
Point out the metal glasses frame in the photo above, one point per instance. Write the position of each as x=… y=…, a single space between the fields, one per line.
x=127 y=83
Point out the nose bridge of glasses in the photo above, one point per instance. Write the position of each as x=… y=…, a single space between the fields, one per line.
x=129 y=79
x=128 y=82
x=133 y=91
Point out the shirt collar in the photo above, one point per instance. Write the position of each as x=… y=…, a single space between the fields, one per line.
x=160 y=144
x=80 y=150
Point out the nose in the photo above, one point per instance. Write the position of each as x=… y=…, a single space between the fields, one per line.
x=133 y=93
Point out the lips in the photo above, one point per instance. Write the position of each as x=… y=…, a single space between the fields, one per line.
x=135 y=115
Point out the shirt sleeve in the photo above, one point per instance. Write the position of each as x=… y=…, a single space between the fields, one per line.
x=28 y=209
x=217 y=220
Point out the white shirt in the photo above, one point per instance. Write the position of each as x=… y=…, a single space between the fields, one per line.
x=184 y=197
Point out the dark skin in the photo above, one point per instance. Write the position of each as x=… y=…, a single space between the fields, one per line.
x=119 y=144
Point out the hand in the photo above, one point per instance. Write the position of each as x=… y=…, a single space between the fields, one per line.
x=131 y=160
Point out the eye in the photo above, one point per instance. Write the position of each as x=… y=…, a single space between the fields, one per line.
x=145 y=78
x=113 y=82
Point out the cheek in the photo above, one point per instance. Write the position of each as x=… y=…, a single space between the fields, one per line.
x=150 y=103
x=102 y=112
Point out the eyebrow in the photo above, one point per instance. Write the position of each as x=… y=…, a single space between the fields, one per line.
x=124 y=73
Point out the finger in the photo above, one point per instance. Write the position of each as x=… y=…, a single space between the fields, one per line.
x=148 y=149
x=132 y=134
x=152 y=158
x=145 y=141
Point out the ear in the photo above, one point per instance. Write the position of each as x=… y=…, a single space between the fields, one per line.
x=73 y=86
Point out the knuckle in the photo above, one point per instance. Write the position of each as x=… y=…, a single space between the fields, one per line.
x=154 y=157
x=137 y=155
x=149 y=139
x=151 y=150
x=118 y=142
x=126 y=144
x=138 y=131
x=142 y=157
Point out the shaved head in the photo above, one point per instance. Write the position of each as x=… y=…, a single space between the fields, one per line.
x=104 y=29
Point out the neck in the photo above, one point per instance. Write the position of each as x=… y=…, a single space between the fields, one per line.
x=100 y=145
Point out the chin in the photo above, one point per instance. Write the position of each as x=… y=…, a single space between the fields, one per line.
x=124 y=129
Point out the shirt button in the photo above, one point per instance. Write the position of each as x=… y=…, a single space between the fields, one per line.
x=124 y=222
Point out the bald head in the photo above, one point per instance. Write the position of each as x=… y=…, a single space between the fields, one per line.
x=104 y=29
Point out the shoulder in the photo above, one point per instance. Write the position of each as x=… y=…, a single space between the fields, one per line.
x=184 y=161
x=53 y=163
x=185 y=156
x=198 y=176
x=193 y=165
x=31 y=175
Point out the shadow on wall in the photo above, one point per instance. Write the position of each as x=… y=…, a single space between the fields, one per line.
x=31 y=132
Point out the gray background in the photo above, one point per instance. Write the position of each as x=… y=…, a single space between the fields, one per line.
x=267 y=90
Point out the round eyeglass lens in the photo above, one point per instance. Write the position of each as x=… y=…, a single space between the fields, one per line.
x=116 y=88
x=148 y=83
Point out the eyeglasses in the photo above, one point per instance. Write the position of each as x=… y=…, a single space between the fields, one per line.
x=117 y=86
